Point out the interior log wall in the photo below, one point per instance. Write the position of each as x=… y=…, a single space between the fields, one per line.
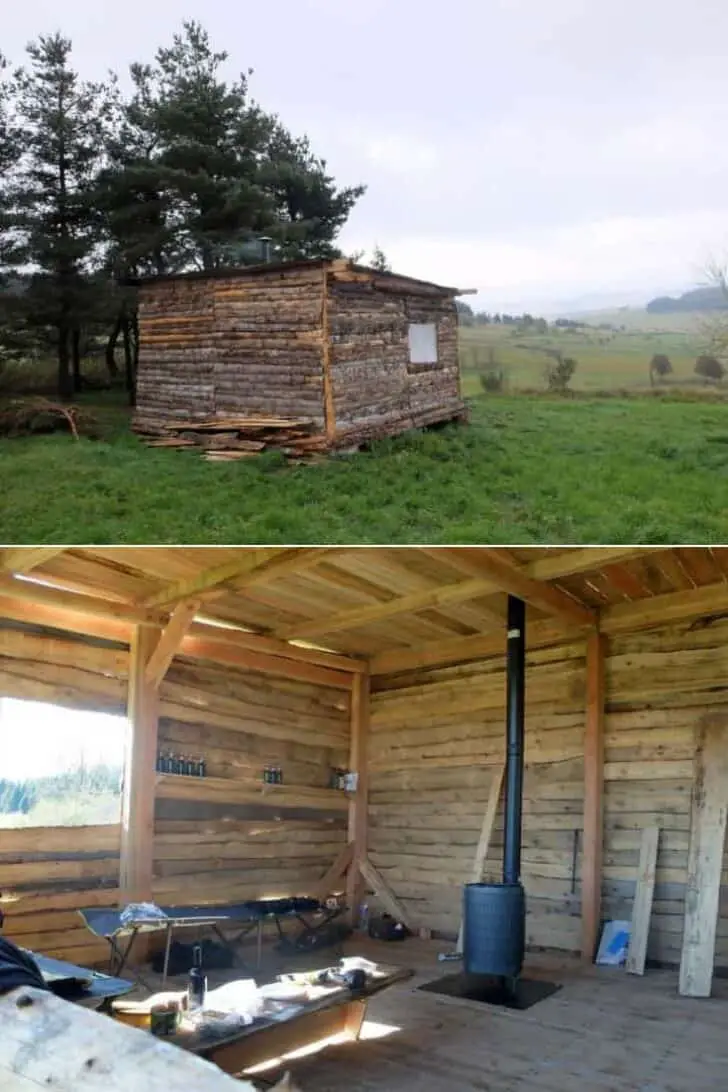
x=438 y=736
x=220 y=838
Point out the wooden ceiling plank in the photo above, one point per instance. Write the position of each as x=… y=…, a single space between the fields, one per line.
x=498 y=566
x=665 y=609
x=586 y=559
x=169 y=641
x=23 y=559
x=253 y=565
x=405 y=604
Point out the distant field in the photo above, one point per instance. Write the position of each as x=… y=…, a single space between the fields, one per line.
x=607 y=360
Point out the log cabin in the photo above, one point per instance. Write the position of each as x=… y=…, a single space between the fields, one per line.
x=394 y=664
x=304 y=355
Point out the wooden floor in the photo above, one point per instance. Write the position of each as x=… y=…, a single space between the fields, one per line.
x=604 y=1031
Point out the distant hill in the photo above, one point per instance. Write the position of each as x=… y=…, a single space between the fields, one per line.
x=698 y=299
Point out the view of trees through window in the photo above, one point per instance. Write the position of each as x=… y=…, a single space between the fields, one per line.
x=60 y=767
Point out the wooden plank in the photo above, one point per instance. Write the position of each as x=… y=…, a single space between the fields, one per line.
x=228 y=790
x=496 y=565
x=77 y=602
x=661 y=610
x=591 y=872
x=642 y=907
x=170 y=640
x=223 y=652
x=253 y=565
x=384 y=893
x=460 y=650
x=486 y=831
x=326 y=884
x=23 y=559
x=48 y=1043
x=329 y=407
x=137 y=824
x=358 y=805
x=439 y=596
x=589 y=559
x=705 y=857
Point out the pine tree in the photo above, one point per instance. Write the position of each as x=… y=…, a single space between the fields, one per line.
x=64 y=124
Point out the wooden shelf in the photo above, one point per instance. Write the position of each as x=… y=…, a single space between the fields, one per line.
x=225 y=790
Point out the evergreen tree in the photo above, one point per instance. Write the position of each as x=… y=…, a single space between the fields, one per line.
x=53 y=192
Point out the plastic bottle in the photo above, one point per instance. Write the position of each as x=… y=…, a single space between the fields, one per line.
x=364 y=917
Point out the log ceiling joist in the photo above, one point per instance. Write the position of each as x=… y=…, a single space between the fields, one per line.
x=587 y=559
x=251 y=566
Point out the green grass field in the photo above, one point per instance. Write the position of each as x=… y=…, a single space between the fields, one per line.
x=607 y=360
x=526 y=470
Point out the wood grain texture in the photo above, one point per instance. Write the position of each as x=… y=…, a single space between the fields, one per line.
x=642 y=908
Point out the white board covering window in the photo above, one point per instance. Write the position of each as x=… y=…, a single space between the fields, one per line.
x=423 y=343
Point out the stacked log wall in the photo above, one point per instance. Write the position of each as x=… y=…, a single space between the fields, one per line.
x=376 y=391
x=438 y=735
x=231 y=346
x=223 y=837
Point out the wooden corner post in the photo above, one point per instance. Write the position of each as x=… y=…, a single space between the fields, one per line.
x=591 y=869
x=137 y=824
x=358 y=818
x=329 y=409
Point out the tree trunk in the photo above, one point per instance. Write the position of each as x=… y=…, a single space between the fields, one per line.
x=76 y=358
x=65 y=379
x=111 y=366
x=129 y=362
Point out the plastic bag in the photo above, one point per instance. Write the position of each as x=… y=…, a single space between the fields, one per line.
x=141 y=911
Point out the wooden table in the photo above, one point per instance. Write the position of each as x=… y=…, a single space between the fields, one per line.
x=94 y=988
x=294 y=1025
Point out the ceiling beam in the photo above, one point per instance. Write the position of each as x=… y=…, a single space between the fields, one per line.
x=222 y=652
x=32 y=592
x=458 y=650
x=660 y=610
x=169 y=641
x=509 y=576
x=252 y=565
x=23 y=559
x=588 y=559
x=405 y=604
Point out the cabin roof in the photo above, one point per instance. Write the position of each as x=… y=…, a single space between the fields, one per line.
x=338 y=266
x=393 y=607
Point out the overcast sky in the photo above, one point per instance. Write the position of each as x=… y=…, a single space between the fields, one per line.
x=538 y=150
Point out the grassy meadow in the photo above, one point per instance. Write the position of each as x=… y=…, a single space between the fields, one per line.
x=612 y=462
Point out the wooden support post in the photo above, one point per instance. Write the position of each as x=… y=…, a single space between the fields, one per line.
x=591 y=869
x=642 y=906
x=169 y=641
x=358 y=764
x=137 y=825
x=705 y=857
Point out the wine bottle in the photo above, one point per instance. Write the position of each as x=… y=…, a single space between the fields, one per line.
x=197 y=985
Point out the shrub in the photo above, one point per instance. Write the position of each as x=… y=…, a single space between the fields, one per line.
x=709 y=367
x=559 y=371
x=660 y=366
x=491 y=374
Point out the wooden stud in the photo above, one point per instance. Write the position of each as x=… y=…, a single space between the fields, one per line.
x=486 y=831
x=137 y=823
x=358 y=806
x=591 y=873
x=169 y=641
x=25 y=558
x=329 y=407
x=705 y=856
x=642 y=906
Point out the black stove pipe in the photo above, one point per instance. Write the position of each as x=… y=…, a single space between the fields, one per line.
x=515 y=708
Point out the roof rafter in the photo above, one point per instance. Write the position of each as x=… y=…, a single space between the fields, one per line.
x=498 y=566
x=253 y=565
x=586 y=559
x=404 y=604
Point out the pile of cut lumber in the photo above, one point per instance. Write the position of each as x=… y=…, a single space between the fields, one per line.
x=226 y=438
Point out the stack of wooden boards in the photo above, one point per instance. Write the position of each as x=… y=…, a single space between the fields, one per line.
x=227 y=438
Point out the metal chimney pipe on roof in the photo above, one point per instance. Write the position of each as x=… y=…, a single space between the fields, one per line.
x=515 y=713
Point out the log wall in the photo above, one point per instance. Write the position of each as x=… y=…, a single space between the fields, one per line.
x=376 y=390
x=439 y=734
x=223 y=837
